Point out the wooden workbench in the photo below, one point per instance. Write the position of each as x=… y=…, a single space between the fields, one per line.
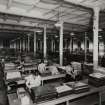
x=51 y=77
x=93 y=96
x=43 y=78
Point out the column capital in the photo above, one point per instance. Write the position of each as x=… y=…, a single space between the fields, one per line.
x=45 y=26
x=59 y=24
x=96 y=9
x=34 y=31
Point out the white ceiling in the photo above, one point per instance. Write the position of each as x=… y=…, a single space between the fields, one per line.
x=89 y=3
x=54 y=10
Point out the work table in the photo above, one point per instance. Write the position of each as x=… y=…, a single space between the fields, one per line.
x=69 y=98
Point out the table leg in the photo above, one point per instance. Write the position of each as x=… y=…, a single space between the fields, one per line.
x=42 y=82
x=100 y=100
x=67 y=103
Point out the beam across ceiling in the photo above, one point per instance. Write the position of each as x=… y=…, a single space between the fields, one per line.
x=68 y=15
x=19 y=27
x=83 y=19
x=79 y=6
x=41 y=22
x=35 y=22
x=62 y=13
x=76 y=16
x=52 y=10
x=68 y=4
x=34 y=5
x=15 y=31
x=26 y=28
x=67 y=7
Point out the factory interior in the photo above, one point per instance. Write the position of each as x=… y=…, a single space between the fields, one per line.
x=52 y=52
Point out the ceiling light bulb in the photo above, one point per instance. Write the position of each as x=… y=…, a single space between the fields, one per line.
x=72 y=34
x=39 y=31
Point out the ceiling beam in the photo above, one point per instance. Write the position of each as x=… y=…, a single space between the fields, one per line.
x=79 y=6
x=67 y=7
x=34 y=6
x=84 y=1
x=5 y=17
x=18 y=26
x=25 y=28
x=95 y=0
x=14 y=31
x=51 y=11
x=40 y=21
x=64 y=13
x=75 y=25
x=65 y=4
x=20 y=19
x=76 y=16
x=89 y=0
x=54 y=16
x=31 y=5
x=54 y=2
x=83 y=19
